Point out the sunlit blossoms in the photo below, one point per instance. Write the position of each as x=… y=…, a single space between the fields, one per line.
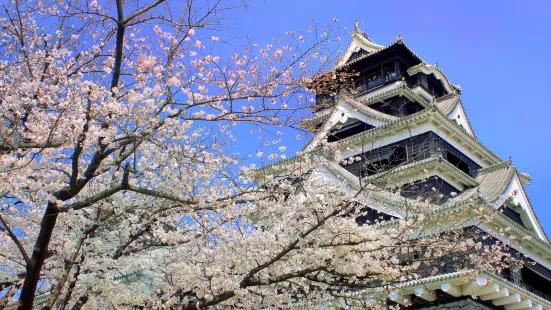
x=119 y=184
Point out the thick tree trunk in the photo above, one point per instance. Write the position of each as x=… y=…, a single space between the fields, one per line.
x=40 y=251
x=80 y=302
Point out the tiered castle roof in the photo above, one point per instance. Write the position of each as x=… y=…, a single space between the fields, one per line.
x=426 y=104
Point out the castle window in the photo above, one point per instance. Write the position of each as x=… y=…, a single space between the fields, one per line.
x=348 y=130
x=456 y=161
x=374 y=80
x=389 y=72
x=535 y=282
x=413 y=80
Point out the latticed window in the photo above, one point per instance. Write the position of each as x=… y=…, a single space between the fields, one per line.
x=412 y=149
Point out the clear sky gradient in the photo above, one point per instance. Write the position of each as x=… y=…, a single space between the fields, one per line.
x=498 y=51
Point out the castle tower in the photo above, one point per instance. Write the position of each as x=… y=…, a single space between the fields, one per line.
x=404 y=118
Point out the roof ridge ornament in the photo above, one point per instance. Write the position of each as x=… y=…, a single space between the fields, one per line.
x=399 y=38
x=525 y=177
x=358 y=31
x=509 y=161
x=458 y=88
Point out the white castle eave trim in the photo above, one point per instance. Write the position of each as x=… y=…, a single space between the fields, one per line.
x=476 y=284
x=514 y=236
x=516 y=191
x=518 y=237
x=516 y=240
x=483 y=285
x=420 y=91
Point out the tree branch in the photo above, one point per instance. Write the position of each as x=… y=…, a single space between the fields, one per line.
x=16 y=241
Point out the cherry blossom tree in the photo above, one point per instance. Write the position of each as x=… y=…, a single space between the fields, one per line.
x=120 y=185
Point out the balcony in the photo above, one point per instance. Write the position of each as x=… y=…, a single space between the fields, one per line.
x=530 y=281
x=361 y=86
x=411 y=150
x=374 y=83
x=371 y=76
x=418 y=148
x=427 y=82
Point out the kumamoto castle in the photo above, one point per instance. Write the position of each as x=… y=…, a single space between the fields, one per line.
x=403 y=116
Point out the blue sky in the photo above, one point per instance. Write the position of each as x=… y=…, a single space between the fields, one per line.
x=498 y=51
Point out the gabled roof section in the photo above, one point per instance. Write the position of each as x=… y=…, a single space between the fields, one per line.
x=438 y=74
x=460 y=117
x=500 y=182
x=398 y=41
x=446 y=104
x=345 y=108
x=494 y=181
x=360 y=45
x=451 y=106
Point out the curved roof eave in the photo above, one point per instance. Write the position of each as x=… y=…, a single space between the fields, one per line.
x=433 y=69
x=359 y=40
x=343 y=60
